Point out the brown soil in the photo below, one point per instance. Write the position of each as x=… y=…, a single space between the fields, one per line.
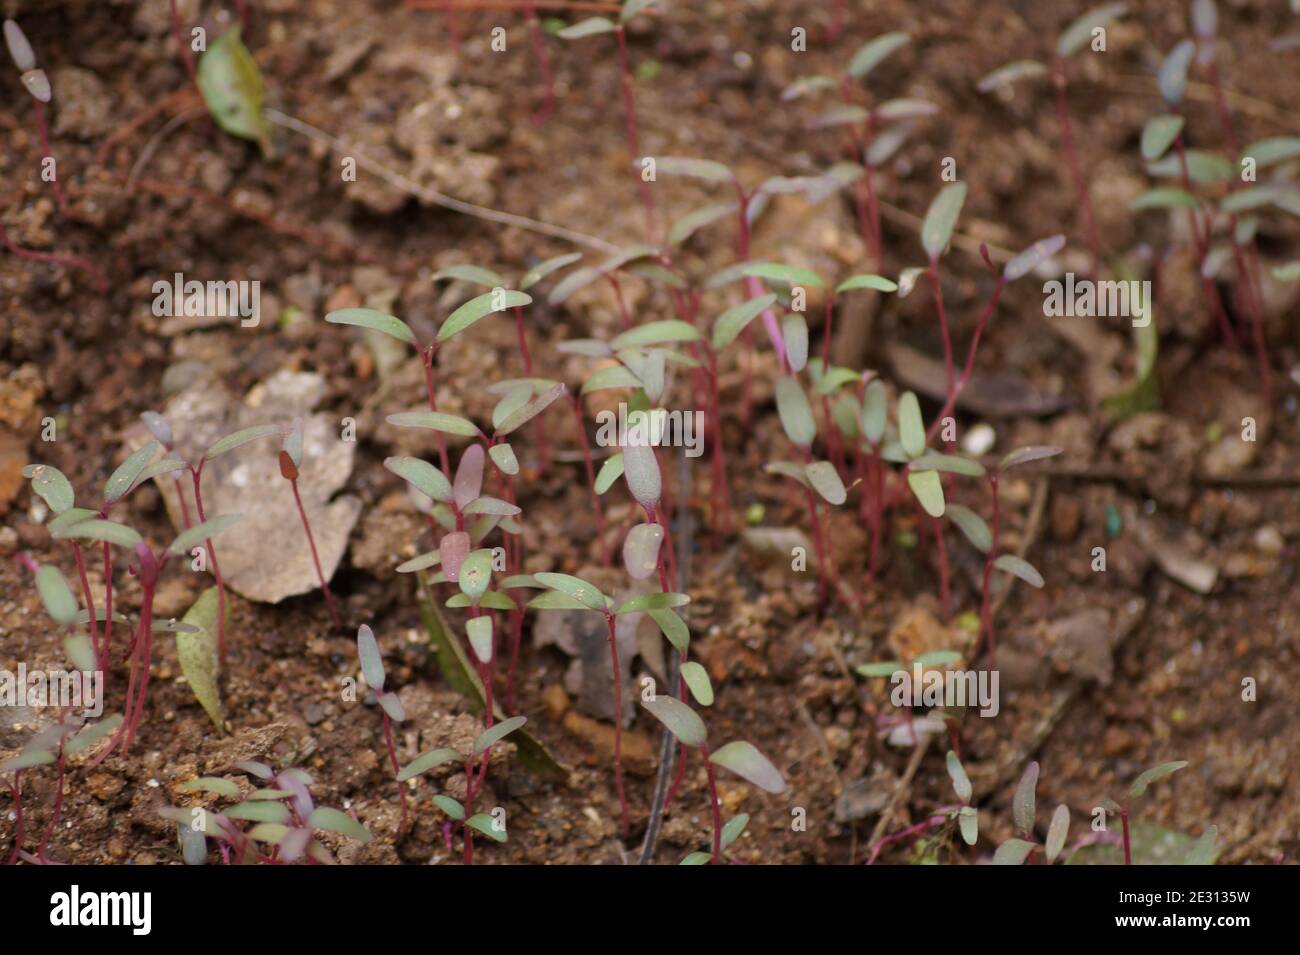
x=377 y=74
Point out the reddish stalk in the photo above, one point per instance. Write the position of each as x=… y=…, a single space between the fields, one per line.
x=714 y=804
x=426 y=355
x=90 y=601
x=941 y=552
x=937 y=289
x=71 y=261
x=1208 y=288
x=986 y=612
x=543 y=63
x=392 y=758
x=1128 y=851
x=1076 y=171
x=311 y=542
x=58 y=807
x=187 y=55
x=633 y=140
x=43 y=130
x=955 y=390
x=108 y=610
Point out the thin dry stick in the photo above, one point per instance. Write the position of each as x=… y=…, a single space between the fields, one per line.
x=433 y=197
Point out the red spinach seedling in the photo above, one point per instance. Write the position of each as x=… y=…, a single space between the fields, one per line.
x=372 y=667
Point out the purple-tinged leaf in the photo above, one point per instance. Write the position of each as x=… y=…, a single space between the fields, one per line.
x=748 y=763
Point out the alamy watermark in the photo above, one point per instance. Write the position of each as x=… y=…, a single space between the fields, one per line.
x=195 y=299
x=1087 y=298
x=655 y=427
x=946 y=688
x=79 y=689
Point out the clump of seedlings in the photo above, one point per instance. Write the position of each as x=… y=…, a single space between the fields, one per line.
x=277 y=822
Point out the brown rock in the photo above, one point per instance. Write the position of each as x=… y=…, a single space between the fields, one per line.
x=555 y=700
x=638 y=752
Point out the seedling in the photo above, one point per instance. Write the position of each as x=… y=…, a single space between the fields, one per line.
x=372 y=667
x=277 y=823
x=1079 y=34
x=462 y=318
x=592 y=26
x=1018 y=850
x=1136 y=791
x=290 y=461
x=161 y=430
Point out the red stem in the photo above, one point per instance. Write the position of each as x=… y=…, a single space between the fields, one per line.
x=618 y=726
x=633 y=141
x=426 y=356
x=392 y=758
x=543 y=64
x=576 y=404
x=187 y=55
x=58 y=808
x=315 y=558
x=1076 y=172
x=72 y=261
x=714 y=805
x=197 y=475
x=43 y=130
x=90 y=601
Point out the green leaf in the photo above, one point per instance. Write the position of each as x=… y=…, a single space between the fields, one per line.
x=874 y=412
x=497 y=300
x=1023 y=803
x=1033 y=257
x=450 y=806
x=972 y=525
x=97 y=530
x=199 y=533
x=578 y=589
x=487 y=825
x=692 y=222
x=928 y=488
x=1203 y=168
x=611 y=376
x=1010 y=73
x=748 y=763
x=871 y=53
x=681 y=720
x=707 y=169
x=474 y=274
x=1276 y=149
x=1033 y=452
x=1077 y=35
x=479 y=632
x=231 y=85
x=55 y=594
x=1013 y=852
x=571 y=283
x=968 y=820
x=422 y=475
x=950 y=463
x=1165 y=197
x=941 y=219
x=491 y=505
x=1056 y=832
x=78 y=648
x=372 y=664
x=656 y=333
x=1288 y=273
x=957 y=773
x=1205 y=850
x=866 y=280
x=211 y=784
x=795 y=413
x=497 y=732
x=522 y=415
x=673 y=627
x=733 y=829
x=426 y=761
x=476 y=573
x=1011 y=564
x=27 y=760
x=632 y=7
x=543 y=269
x=333 y=820
x=1159 y=134
x=589 y=27
x=937 y=658
x=842 y=114
x=240 y=438
x=1139 y=787
x=92 y=733
x=125 y=476
x=57 y=526
x=825 y=480
x=435 y=421
x=655 y=601
x=728 y=326
x=555 y=600
x=609 y=472
x=641 y=550
x=697 y=680
x=911 y=430
x=258 y=810
x=369 y=318
x=1151 y=845
x=697 y=858
x=794 y=331
x=426 y=560
x=503 y=456
x=791 y=275
x=197 y=653
x=51 y=485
